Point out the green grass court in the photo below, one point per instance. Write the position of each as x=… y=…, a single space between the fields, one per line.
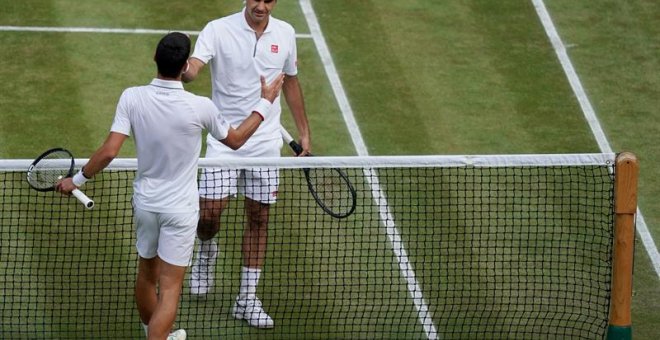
x=421 y=78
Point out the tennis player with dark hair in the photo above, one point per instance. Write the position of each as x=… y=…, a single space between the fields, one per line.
x=167 y=124
x=237 y=48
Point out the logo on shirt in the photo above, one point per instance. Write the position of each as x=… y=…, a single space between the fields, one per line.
x=274 y=49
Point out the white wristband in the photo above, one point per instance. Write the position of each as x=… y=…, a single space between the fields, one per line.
x=263 y=107
x=79 y=179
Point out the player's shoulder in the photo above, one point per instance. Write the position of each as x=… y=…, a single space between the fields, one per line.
x=133 y=91
x=200 y=102
x=192 y=96
x=281 y=25
x=225 y=21
x=135 y=88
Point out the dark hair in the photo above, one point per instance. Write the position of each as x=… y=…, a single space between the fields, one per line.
x=171 y=54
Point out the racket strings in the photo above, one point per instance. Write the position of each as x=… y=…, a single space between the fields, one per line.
x=331 y=189
x=48 y=170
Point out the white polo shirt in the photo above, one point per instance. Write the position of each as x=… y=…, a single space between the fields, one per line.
x=237 y=59
x=167 y=123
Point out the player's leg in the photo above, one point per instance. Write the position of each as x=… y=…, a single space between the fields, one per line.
x=175 y=249
x=147 y=295
x=259 y=195
x=209 y=217
x=146 y=291
x=215 y=186
x=170 y=280
x=146 y=288
x=255 y=235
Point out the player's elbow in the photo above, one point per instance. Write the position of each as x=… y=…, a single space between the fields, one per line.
x=235 y=139
x=188 y=77
x=108 y=153
x=233 y=144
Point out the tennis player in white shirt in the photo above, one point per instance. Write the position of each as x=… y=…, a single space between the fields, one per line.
x=167 y=124
x=237 y=48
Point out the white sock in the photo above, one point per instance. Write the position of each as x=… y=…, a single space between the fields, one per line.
x=249 y=282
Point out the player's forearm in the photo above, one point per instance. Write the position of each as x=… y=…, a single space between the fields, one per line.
x=99 y=161
x=238 y=136
x=294 y=99
x=104 y=155
x=304 y=135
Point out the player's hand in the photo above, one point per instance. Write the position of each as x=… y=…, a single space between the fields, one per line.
x=272 y=90
x=306 y=145
x=65 y=186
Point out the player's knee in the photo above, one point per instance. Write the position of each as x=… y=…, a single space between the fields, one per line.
x=258 y=221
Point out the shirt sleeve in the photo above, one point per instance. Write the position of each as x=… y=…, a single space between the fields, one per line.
x=204 y=46
x=213 y=121
x=291 y=63
x=122 y=121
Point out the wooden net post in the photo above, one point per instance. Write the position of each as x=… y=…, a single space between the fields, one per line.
x=625 y=208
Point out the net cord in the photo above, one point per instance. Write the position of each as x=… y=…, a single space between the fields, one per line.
x=523 y=160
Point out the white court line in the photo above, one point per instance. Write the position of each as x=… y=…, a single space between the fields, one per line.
x=387 y=219
x=590 y=115
x=105 y=30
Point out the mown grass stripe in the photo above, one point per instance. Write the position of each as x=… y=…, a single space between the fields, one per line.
x=387 y=219
x=592 y=119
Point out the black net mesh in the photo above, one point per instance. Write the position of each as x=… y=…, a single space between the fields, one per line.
x=430 y=252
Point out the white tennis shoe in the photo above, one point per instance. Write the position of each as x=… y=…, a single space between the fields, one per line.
x=179 y=334
x=250 y=310
x=203 y=269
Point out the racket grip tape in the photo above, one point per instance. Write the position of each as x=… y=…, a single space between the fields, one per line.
x=296 y=147
x=86 y=201
x=289 y=140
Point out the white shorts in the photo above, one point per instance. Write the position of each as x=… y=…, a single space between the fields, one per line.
x=171 y=236
x=260 y=184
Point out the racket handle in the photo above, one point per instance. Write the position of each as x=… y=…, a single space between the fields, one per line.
x=289 y=140
x=296 y=147
x=86 y=201
x=285 y=135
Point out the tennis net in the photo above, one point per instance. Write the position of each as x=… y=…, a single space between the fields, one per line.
x=515 y=246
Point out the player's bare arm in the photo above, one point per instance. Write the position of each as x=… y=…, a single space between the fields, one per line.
x=294 y=99
x=99 y=160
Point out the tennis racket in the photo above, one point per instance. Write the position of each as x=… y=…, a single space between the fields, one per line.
x=331 y=188
x=50 y=167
